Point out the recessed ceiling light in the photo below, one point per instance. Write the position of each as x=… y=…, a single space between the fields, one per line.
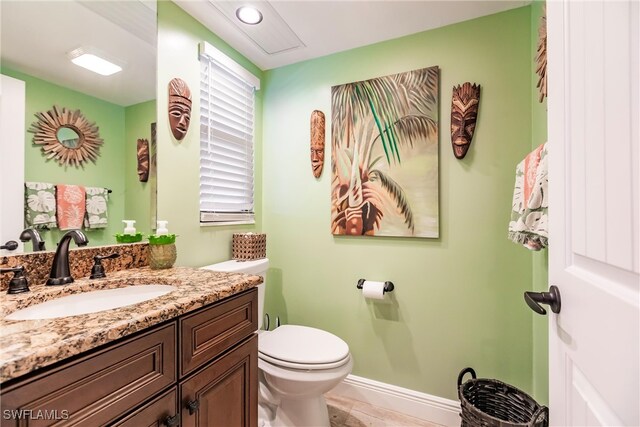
x=249 y=15
x=93 y=62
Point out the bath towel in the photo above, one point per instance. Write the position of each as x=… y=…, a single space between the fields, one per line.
x=96 y=210
x=70 y=200
x=40 y=205
x=529 y=224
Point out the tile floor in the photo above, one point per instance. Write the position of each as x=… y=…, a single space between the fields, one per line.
x=344 y=412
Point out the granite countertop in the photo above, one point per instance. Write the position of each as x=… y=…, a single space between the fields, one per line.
x=27 y=345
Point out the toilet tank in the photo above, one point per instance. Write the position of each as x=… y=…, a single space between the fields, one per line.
x=257 y=267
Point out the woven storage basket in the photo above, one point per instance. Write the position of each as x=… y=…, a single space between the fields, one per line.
x=492 y=403
x=248 y=246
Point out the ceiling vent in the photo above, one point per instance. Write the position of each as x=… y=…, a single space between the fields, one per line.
x=273 y=35
x=137 y=17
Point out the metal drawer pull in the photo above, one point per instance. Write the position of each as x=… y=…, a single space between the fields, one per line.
x=193 y=406
x=172 y=421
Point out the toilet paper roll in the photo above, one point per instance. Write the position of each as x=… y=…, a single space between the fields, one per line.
x=373 y=290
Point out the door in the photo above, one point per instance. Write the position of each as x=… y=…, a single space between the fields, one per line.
x=12 y=129
x=593 y=112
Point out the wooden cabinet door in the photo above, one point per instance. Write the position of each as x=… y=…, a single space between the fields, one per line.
x=225 y=393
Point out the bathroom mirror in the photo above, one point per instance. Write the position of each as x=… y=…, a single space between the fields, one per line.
x=68 y=137
x=40 y=44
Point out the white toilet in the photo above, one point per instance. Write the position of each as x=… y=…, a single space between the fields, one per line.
x=297 y=364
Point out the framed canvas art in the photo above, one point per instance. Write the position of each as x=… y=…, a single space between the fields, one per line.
x=384 y=135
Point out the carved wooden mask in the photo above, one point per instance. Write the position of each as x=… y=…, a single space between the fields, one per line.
x=143 y=160
x=541 y=55
x=179 y=108
x=317 y=142
x=464 y=113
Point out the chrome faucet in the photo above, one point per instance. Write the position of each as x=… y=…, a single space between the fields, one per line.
x=60 y=271
x=34 y=236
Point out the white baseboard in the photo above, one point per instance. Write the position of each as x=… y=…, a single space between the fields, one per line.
x=409 y=402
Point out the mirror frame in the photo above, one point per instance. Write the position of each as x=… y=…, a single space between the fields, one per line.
x=45 y=131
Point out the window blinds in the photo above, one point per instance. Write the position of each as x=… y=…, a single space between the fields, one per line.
x=227 y=104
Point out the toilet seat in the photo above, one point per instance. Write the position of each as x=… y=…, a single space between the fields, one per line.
x=302 y=347
x=303 y=366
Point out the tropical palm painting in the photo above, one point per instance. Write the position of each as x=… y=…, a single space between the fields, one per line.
x=385 y=156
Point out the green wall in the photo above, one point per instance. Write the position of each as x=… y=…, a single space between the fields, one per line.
x=179 y=161
x=138 y=119
x=458 y=299
x=107 y=172
x=540 y=259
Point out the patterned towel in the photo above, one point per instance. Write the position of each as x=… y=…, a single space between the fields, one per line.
x=40 y=205
x=96 y=216
x=71 y=206
x=529 y=225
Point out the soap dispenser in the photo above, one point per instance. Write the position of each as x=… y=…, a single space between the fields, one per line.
x=129 y=228
x=162 y=228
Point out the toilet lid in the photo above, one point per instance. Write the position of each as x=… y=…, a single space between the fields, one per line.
x=303 y=345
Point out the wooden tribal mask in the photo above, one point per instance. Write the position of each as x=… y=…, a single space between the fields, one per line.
x=317 y=142
x=179 y=108
x=464 y=113
x=143 y=160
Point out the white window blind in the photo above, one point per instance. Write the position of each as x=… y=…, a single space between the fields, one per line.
x=227 y=105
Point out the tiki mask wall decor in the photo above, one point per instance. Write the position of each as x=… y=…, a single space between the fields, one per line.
x=464 y=113
x=143 y=160
x=541 y=56
x=179 y=108
x=317 y=142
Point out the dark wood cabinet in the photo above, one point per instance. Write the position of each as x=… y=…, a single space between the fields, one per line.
x=211 y=331
x=96 y=389
x=209 y=356
x=160 y=412
x=225 y=393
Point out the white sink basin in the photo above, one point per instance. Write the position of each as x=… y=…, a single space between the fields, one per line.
x=91 y=302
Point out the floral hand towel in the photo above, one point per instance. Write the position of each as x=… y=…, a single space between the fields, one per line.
x=71 y=206
x=96 y=216
x=529 y=224
x=40 y=205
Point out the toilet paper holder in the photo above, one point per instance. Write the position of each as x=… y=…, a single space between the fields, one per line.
x=388 y=286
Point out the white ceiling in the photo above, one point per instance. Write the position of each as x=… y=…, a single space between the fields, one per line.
x=37 y=35
x=326 y=26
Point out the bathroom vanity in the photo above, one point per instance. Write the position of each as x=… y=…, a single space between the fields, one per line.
x=187 y=358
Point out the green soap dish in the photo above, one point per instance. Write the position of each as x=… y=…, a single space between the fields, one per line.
x=128 y=238
x=164 y=239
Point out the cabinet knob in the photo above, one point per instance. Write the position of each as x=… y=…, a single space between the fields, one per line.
x=193 y=406
x=172 y=421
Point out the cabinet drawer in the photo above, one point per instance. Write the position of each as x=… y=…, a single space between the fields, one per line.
x=98 y=388
x=224 y=393
x=155 y=414
x=209 y=332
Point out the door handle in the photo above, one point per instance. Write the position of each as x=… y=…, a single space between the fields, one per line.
x=552 y=298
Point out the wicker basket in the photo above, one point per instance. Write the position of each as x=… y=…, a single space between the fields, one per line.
x=492 y=403
x=248 y=246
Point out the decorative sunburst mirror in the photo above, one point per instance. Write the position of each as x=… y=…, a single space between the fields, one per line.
x=66 y=136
